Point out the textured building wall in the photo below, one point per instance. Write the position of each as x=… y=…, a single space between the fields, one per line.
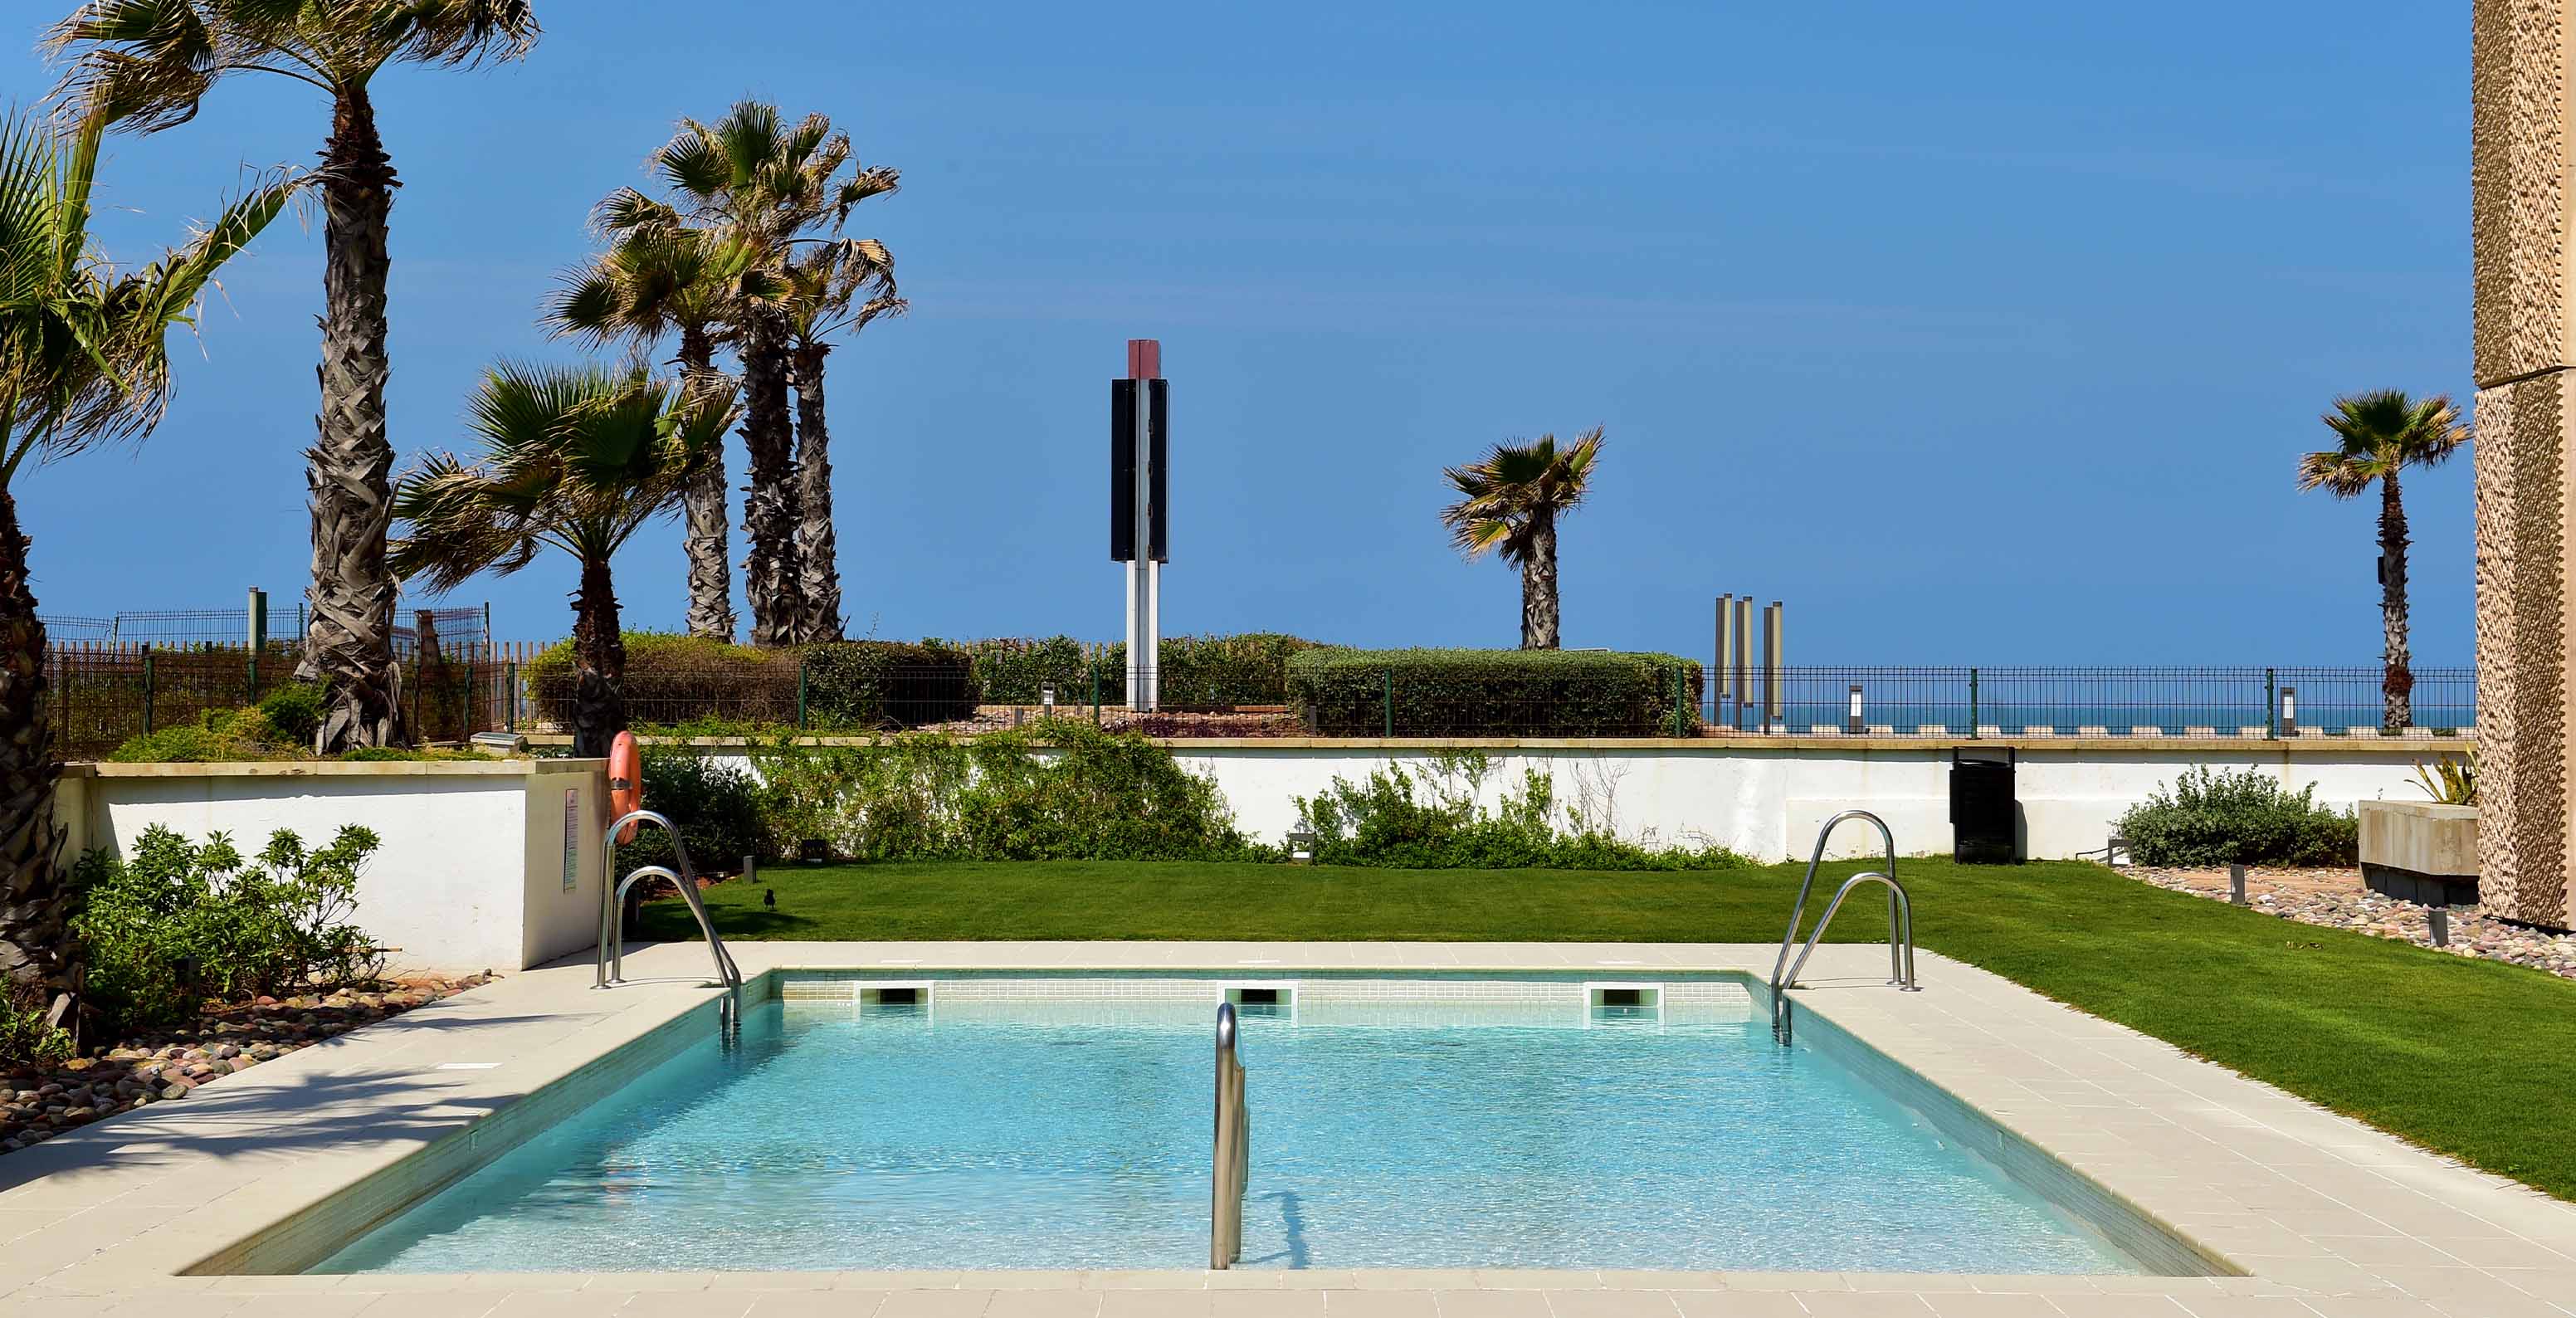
x=2520 y=176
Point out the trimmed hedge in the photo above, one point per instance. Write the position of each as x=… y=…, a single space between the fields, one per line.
x=1246 y=669
x=887 y=685
x=1495 y=693
x=676 y=681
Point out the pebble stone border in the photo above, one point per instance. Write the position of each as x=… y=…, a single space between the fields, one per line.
x=2336 y=899
x=38 y=1103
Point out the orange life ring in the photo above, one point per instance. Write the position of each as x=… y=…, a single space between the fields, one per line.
x=625 y=783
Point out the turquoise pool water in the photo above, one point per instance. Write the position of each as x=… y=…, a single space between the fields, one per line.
x=1058 y=1134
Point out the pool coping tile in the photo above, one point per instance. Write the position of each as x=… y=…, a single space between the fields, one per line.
x=2321 y=1216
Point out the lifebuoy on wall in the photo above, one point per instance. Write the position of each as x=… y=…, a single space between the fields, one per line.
x=625 y=783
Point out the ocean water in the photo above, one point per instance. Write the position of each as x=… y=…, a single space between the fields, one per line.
x=840 y=1136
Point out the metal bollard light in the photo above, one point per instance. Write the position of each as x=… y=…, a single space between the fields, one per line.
x=2236 y=885
x=2440 y=918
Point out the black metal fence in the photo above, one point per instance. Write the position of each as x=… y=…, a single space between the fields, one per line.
x=2096 y=702
x=170 y=629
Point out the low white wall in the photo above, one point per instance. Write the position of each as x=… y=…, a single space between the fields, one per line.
x=1766 y=798
x=1768 y=802
x=471 y=873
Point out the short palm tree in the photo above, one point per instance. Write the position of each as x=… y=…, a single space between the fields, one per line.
x=1511 y=501
x=839 y=286
x=753 y=176
x=82 y=363
x=2379 y=434
x=148 y=64
x=577 y=457
x=659 y=277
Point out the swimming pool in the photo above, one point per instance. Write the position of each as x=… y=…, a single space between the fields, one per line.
x=1017 y=1121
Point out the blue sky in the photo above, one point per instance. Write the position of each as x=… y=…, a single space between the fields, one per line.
x=1979 y=334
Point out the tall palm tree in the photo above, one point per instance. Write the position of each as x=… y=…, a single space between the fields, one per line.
x=753 y=176
x=82 y=362
x=838 y=286
x=1510 y=501
x=577 y=457
x=2378 y=434
x=149 y=64
x=661 y=276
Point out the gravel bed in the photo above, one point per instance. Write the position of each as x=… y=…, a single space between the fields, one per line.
x=2336 y=899
x=38 y=1103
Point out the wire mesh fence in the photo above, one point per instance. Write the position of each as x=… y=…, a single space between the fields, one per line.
x=166 y=629
x=2091 y=702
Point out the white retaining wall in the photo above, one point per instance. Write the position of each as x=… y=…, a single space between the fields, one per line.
x=1768 y=802
x=1767 y=799
x=471 y=874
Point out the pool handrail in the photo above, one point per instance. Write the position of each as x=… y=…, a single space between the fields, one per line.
x=1230 y=1170
x=612 y=898
x=1900 y=920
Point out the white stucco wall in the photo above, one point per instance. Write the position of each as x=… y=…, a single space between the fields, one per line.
x=1768 y=799
x=470 y=875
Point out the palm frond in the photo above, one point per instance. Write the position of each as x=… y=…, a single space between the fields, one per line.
x=1504 y=492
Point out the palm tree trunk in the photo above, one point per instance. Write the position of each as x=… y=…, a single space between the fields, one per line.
x=817 y=552
x=37 y=958
x=710 y=574
x=770 y=573
x=2397 y=690
x=1538 y=584
x=599 y=656
x=349 y=640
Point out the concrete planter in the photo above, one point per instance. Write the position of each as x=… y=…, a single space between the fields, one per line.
x=485 y=864
x=2420 y=852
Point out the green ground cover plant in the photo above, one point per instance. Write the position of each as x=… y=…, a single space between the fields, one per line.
x=178 y=922
x=2238 y=817
x=1437 y=819
x=2464 y=1056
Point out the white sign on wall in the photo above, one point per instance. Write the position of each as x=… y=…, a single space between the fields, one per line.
x=572 y=838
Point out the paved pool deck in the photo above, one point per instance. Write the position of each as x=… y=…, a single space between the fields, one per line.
x=2319 y=1214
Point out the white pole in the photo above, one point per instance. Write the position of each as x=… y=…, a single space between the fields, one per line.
x=1144 y=586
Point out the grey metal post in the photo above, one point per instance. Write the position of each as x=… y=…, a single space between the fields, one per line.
x=1773 y=647
x=2236 y=885
x=1743 y=643
x=1724 y=686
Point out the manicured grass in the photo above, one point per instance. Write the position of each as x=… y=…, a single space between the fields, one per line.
x=2468 y=1057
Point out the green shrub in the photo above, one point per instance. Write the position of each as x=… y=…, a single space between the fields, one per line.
x=1012 y=672
x=25 y=1038
x=717 y=806
x=295 y=711
x=218 y=734
x=179 y=923
x=870 y=686
x=1060 y=790
x=2237 y=817
x=1514 y=693
x=1438 y=820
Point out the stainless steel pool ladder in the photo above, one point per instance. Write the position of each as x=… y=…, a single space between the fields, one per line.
x=612 y=899
x=1900 y=922
x=1233 y=1165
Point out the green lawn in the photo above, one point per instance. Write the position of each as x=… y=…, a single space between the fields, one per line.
x=2468 y=1057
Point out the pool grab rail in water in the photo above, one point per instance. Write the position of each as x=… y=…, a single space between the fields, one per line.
x=612 y=899
x=1231 y=1169
x=1900 y=922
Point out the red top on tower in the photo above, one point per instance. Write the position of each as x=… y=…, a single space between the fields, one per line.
x=1144 y=359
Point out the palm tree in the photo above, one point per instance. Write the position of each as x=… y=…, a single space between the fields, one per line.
x=754 y=177
x=148 y=64
x=838 y=286
x=577 y=457
x=1511 y=501
x=82 y=363
x=661 y=276
x=2379 y=434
